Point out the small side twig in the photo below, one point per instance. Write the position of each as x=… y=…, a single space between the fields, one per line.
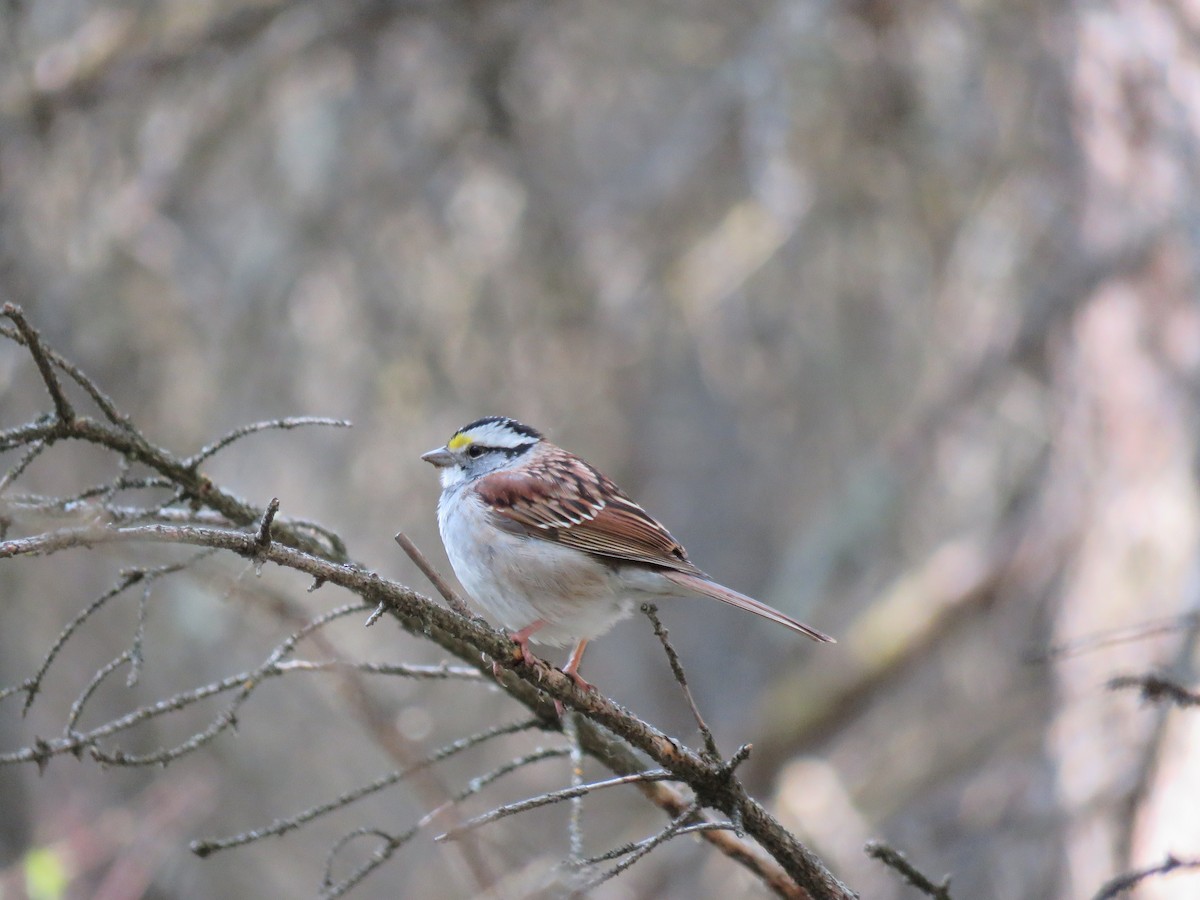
x=34 y=451
x=264 y=526
x=285 y=424
x=1115 y=637
x=1130 y=880
x=33 y=340
x=137 y=650
x=435 y=578
x=697 y=827
x=896 y=860
x=128 y=578
x=710 y=744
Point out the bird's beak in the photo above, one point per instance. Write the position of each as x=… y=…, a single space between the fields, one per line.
x=441 y=457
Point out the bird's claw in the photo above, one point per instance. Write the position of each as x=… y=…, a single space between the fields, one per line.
x=580 y=682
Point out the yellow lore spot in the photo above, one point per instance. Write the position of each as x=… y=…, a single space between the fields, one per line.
x=459 y=441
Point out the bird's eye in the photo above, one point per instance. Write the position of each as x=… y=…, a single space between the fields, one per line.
x=475 y=451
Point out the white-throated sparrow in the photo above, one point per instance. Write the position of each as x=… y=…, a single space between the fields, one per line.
x=553 y=548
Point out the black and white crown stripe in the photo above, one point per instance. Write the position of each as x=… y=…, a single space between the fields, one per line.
x=499 y=433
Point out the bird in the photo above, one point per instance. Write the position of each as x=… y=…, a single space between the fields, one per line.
x=551 y=548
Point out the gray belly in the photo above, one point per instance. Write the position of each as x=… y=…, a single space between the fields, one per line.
x=519 y=579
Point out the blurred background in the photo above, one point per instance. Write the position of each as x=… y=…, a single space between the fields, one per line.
x=887 y=310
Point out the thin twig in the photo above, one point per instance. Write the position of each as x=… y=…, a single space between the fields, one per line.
x=479 y=782
x=642 y=848
x=128 y=578
x=71 y=504
x=282 y=826
x=896 y=860
x=33 y=341
x=548 y=798
x=90 y=688
x=264 y=526
x=1130 y=880
x=33 y=452
x=285 y=424
x=75 y=742
x=632 y=846
x=101 y=399
x=441 y=672
x=389 y=845
x=435 y=578
x=710 y=744
x=137 y=650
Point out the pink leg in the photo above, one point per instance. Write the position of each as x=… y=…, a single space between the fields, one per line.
x=571 y=669
x=522 y=639
x=524 y=654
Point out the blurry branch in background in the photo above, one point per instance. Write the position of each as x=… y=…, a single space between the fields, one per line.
x=1117 y=636
x=200 y=513
x=1157 y=689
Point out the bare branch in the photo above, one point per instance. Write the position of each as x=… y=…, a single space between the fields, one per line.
x=710 y=744
x=1117 y=636
x=286 y=424
x=896 y=860
x=477 y=784
x=1130 y=880
x=389 y=844
x=76 y=742
x=1157 y=689
x=263 y=540
x=77 y=707
x=31 y=453
x=33 y=341
x=421 y=673
x=632 y=846
x=282 y=826
x=618 y=757
x=435 y=578
x=634 y=852
x=128 y=578
x=132 y=446
x=217 y=520
x=548 y=798
x=101 y=399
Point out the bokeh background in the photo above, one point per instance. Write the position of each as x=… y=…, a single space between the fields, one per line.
x=888 y=310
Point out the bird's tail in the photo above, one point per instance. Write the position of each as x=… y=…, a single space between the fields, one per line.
x=741 y=601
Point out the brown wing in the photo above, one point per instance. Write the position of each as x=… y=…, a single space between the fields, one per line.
x=560 y=498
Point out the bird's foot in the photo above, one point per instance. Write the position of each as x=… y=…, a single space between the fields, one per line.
x=522 y=655
x=582 y=683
